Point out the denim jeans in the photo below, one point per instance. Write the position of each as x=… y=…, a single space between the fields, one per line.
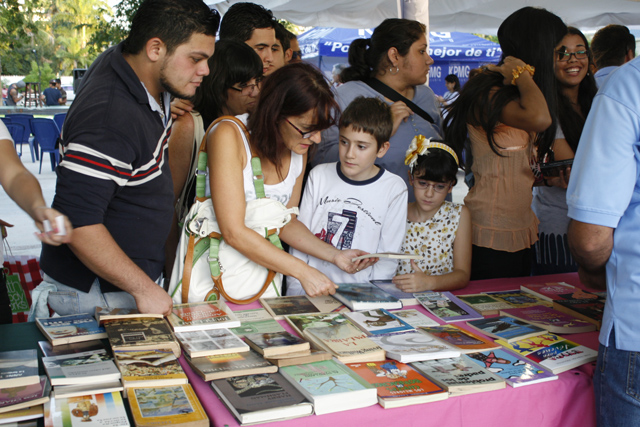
x=67 y=300
x=617 y=386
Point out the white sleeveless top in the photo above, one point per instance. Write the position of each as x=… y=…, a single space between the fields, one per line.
x=280 y=191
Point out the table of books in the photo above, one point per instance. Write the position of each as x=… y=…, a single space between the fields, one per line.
x=568 y=401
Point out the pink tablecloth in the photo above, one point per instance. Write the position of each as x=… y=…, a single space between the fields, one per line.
x=566 y=402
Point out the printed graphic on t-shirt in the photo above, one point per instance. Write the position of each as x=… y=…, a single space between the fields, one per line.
x=340 y=229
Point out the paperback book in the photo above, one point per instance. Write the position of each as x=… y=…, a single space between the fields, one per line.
x=210 y=342
x=73 y=328
x=95 y=366
x=230 y=365
x=257 y=327
x=518 y=299
x=196 y=316
x=515 y=370
x=346 y=342
x=252 y=315
x=484 y=304
x=328 y=304
x=552 y=352
x=389 y=287
x=91 y=388
x=279 y=307
x=105 y=314
x=14 y=418
x=18 y=368
x=272 y=344
x=300 y=322
x=548 y=291
x=49 y=350
x=147 y=368
x=175 y=405
x=588 y=309
x=378 y=322
x=415 y=318
x=460 y=375
x=141 y=334
x=506 y=328
x=552 y=320
x=465 y=341
x=261 y=398
x=365 y=296
x=447 y=307
x=93 y=409
x=414 y=346
x=331 y=386
x=20 y=397
x=398 y=384
x=299 y=358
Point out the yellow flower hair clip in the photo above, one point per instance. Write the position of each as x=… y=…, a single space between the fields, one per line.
x=420 y=146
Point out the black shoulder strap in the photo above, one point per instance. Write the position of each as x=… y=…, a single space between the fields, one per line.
x=388 y=92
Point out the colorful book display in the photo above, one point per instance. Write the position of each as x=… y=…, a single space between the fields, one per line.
x=516 y=370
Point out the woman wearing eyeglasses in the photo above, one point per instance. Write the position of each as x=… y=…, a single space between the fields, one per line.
x=576 y=89
x=506 y=111
x=296 y=103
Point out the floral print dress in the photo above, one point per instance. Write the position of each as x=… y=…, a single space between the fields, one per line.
x=433 y=240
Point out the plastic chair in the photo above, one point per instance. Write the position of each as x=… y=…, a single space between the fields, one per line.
x=16 y=130
x=46 y=132
x=25 y=121
x=59 y=120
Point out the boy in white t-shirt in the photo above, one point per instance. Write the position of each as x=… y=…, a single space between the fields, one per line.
x=355 y=204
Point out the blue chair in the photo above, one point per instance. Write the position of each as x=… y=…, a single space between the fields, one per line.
x=46 y=132
x=25 y=121
x=5 y=120
x=16 y=130
x=59 y=119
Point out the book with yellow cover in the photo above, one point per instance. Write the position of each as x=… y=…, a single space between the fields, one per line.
x=171 y=405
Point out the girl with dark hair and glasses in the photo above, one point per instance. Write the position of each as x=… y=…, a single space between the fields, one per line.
x=576 y=90
x=507 y=111
x=296 y=103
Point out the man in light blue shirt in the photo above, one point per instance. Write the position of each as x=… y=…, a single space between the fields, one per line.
x=604 y=235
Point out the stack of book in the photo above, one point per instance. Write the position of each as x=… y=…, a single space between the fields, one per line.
x=22 y=390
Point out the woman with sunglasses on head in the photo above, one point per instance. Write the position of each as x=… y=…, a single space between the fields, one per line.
x=507 y=111
x=295 y=104
x=576 y=90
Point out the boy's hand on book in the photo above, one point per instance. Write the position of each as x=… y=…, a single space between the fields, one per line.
x=344 y=261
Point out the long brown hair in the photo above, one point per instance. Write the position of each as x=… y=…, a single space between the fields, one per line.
x=288 y=92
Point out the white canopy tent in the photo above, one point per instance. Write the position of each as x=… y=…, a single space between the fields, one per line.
x=471 y=16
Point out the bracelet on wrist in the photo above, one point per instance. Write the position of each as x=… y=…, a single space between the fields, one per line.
x=519 y=70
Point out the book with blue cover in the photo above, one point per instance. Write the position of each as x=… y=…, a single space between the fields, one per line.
x=72 y=328
x=365 y=296
x=506 y=328
x=378 y=322
x=516 y=370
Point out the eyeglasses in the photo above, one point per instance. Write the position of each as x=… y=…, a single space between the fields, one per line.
x=438 y=187
x=304 y=135
x=563 y=56
x=247 y=89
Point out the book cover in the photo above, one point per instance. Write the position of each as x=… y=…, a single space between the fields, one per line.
x=389 y=287
x=196 y=316
x=261 y=398
x=257 y=327
x=484 y=304
x=590 y=310
x=415 y=318
x=141 y=334
x=460 y=375
x=13 y=398
x=149 y=366
x=446 y=306
x=279 y=307
x=552 y=352
x=465 y=341
x=170 y=405
x=271 y=344
x=552 y=320
x=18 y=368
x=68 y=329
x=97 y=409
x=398 y=384
x=210 y=342
x=516 y=370
x=365 y=296
x=518 y=299
x=328 y=304
x=414 y=346
x=252 y=315
x=378 y=322
x=506 y=328
x=548 y=291
x=300 y=322
x=230 y=365
x=25 y=414
x=331 y=386
x=347 y=343
x=81 y=368
x=49 y=350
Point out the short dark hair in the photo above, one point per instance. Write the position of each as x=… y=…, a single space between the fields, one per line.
x=436 y=165
x=232 y=62
x=370 y=115
x=290 y=91
x=241 y=19
x=283 y=36
x=452 y=78
x=172 y=21
x=610 y=45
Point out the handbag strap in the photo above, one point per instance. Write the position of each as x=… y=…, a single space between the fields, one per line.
x=393 y=95
x=182 y=205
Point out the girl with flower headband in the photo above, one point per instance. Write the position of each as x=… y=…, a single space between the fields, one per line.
x=437 y=230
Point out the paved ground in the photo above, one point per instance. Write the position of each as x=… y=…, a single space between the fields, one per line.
x=21 y=239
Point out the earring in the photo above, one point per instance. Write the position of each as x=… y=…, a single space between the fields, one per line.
x=391 y=71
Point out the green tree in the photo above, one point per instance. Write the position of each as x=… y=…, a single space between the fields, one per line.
x=112 y=32
x=40 y=73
